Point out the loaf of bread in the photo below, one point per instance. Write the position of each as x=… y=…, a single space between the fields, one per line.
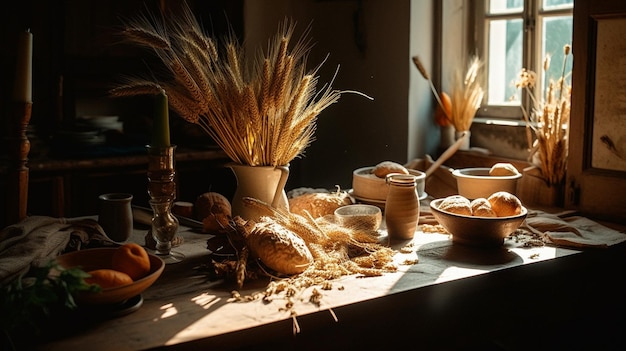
x=318 y=204
x=384 y=168
x=279 y=248
x=505 y=204
x=456 y=204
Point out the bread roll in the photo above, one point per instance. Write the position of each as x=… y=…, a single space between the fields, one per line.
x=318 y=204
x=214 y=210
x=481 y=207
x=211 y=203
x=384 y=168
x=503 y=169
x=505 y=204
x=456 y=204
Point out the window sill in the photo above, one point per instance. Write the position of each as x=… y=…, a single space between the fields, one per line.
x=506 y=122
x=500 y=137
x=477 y=158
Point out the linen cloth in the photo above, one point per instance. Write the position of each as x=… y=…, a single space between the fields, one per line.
x=560 y=229
x=38 y=239
x=571 y=231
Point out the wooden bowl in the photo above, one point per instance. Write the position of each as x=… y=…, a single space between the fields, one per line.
x=91 y=259
x=474 y=230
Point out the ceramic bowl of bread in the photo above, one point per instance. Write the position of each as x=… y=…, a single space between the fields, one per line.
x=482 y=221
x=369 y=183
x=474 y=183
x=122 y=272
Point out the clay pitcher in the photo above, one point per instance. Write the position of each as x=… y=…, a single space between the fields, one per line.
x=265 y=183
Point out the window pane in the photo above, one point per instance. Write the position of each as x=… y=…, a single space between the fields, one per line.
x=552 y=4
x=505 y=60
x=557 y=32
x=505 y=6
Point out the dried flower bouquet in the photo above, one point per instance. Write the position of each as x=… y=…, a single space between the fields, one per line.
x=549 y=121
x=261 y=113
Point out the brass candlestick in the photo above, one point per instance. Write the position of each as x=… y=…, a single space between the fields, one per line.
x=19 y=148
x=162 y=191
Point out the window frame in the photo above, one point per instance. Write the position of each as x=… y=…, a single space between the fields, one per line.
x=532 y=16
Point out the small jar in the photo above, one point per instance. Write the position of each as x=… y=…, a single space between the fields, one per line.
x=402 y=207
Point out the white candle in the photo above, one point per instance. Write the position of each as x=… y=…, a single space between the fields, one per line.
x=24 y=68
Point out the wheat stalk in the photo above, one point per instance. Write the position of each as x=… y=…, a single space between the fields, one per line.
x=261 y=112
x=425 y=75
x=466 y=94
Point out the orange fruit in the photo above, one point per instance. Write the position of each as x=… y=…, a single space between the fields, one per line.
x=108 y=278
x=131 y=259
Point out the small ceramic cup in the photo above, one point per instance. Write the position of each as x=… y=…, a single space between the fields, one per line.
x=359 y=216
x=116 y=215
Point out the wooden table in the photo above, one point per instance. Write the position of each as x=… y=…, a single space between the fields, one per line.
x=455 y=297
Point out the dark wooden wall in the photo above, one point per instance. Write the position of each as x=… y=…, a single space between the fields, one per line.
x=77 y=58
x=75 y=41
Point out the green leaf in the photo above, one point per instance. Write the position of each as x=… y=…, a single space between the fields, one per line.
x=27 y=301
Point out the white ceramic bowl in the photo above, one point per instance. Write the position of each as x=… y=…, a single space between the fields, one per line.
x=367 y=186
x=359 y=216
x=476 y=182
x=474 y=230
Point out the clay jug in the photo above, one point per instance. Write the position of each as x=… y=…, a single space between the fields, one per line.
x=265 y=183
x=402 y=207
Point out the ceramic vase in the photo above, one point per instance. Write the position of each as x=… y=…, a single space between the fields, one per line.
x=465 y=145
x=264 y=183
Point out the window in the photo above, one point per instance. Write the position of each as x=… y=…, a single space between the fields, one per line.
x=516 y=34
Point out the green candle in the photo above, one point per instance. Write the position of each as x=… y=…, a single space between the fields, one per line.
x=160 y=124
x=24 y=70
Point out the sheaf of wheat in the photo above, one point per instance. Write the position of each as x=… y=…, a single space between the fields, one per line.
x=260 y=109
x=466 y=94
